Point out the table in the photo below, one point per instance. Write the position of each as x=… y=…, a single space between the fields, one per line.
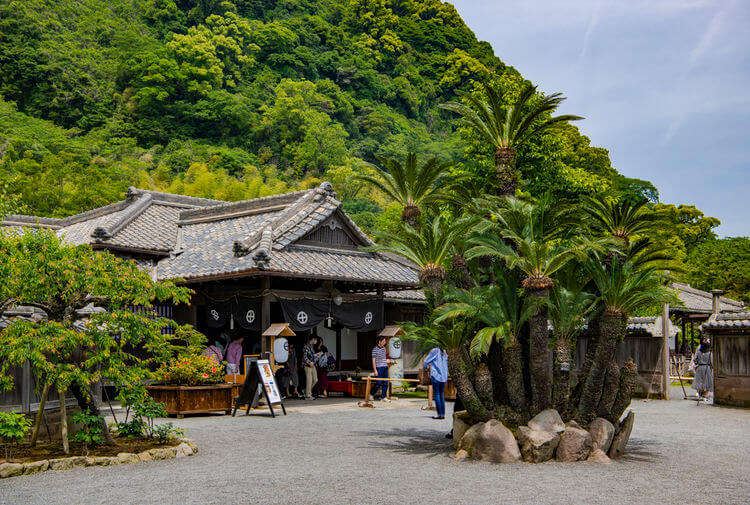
x=369 y=379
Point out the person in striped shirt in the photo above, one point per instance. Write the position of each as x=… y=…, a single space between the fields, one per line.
x=380 y=367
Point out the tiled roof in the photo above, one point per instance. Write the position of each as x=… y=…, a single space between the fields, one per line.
x=651 y=325
x=405 y=296
x=737 y=320
x=195 y=238
x=696 y=300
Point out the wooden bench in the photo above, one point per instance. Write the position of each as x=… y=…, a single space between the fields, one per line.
x=367 y=402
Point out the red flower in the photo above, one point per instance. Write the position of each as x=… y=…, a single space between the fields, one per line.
x=204 y=375
x=213 y=369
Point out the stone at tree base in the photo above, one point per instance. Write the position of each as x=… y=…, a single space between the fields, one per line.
x=161 y=453
x=620 y=441
x=67 y=463
x=574 y=424
x=36 y=467
x=182 y=451
x=599 y=456
x=575 y=445
x=145 y=456
x=461 y=422
x=460 y=455
x=537 y=446
x=99 y=461
x=192 y=445
x=491 y=441
x=547 y=420
x=10 y=470
x=602 y=432
x=126 y=458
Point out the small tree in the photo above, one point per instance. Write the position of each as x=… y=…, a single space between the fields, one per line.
x=13 y=429
x=69 y=353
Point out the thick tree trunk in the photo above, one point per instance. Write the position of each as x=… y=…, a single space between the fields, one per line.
x=63 y=421
x=483 y=385
x=464 y=388
x=611 y=328
x=541 y=373
x=588 y=360
x=495 y=363
x=561 y=376
x=628 y=379
x=611 y=385
x=507 y=179
x=39 y=414
x=461 y=272
x=513 y=368
x=87 y=401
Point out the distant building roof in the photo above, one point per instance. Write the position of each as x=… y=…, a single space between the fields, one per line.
x=301 y=234
x=698 y=301
x=650 y=325
x=737 y=320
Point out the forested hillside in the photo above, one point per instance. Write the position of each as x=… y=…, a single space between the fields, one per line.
x=244 y=98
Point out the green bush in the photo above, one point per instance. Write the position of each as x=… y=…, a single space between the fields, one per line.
x=13 y=429
x=90 y=432
x=191 y=370
x=145 y=410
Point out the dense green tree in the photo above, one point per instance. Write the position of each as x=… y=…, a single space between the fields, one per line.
x=722 y=264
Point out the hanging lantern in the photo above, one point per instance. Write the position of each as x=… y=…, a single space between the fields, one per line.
x=281 y=350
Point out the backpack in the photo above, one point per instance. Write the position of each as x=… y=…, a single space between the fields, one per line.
x=331 y=365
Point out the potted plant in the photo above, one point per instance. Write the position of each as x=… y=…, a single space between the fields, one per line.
x=192 y=384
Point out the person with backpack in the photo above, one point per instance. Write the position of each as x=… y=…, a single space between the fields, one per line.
x=325 y=362
x=308 y=362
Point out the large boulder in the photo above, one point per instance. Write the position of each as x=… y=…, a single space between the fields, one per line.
x=575 y=445
x=461 y=422
x=602 y=432
x=183 y=450
x=547 y=420
x=10 y=470
x=490 y=441
x=36 y=467
x=620 y=440
x=161 y=453
x=537 y=446
x=599 y=456
x=127 y=458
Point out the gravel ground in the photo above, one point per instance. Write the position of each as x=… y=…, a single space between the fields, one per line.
x=340 y=454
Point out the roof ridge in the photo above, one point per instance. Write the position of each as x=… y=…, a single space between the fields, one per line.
x=132 y=211
x=174 y=198
x=707 y=294
x=226 y=210
x=26 y=219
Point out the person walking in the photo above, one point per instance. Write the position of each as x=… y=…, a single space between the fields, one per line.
x=321 y=366
x=311 y=374
x=380 y=368
x=704 y=377
x=291 y=376
x=437 y=362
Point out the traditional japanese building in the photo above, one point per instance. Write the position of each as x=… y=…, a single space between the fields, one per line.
x=293 y=258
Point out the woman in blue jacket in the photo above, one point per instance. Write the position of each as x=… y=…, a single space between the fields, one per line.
x=437 y=362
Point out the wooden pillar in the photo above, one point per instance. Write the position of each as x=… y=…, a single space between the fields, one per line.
x=338 y=347
x=265 y=316
x=665 y=350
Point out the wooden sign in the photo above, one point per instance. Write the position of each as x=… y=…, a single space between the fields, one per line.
x=259 y=380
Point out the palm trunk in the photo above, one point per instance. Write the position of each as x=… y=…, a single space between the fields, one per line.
x=495 y=362
x=628 y=378
x=483 y=385
x=541 y=373
x=588 y=360
x=611 y=385
x=611 y=329
x=459 y=372
x=39 y=414
x=513 y=368
x=63 y=421
x=561 y=376
x=504 y=158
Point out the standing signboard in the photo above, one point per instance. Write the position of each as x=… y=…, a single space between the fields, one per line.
x=259 y=380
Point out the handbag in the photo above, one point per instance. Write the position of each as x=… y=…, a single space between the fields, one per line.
x=331 y=365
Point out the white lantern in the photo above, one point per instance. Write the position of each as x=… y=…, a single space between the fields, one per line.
x=394 y=348
x=281 y=350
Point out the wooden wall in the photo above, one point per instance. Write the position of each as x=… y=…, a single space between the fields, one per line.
x=731 y=369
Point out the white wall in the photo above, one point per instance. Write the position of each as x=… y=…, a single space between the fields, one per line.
x=329 y=338
x=348 y=344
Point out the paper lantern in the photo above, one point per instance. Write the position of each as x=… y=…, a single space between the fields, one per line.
x=281 y=350
x=394 y=348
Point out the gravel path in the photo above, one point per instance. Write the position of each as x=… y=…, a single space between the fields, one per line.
x=339 y=454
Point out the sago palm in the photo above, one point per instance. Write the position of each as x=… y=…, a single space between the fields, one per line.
x=622 y=288
x=508 y=127
x=429 y=248
x=411 y=185
x=620 y=220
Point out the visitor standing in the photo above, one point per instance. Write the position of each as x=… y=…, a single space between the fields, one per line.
x=704 y=377
x=380 y=368
x=321 y=366
x=291 y=375
x=233 y=355
x=437 y=362
x=311 y=374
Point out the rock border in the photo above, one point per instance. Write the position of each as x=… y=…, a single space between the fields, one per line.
x=186 y=448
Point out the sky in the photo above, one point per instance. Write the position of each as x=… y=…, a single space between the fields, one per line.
x=662 y=85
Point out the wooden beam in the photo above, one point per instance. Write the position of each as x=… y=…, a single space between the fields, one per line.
x=665 y=350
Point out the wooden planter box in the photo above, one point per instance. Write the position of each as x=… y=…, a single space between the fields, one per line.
x=181 y=400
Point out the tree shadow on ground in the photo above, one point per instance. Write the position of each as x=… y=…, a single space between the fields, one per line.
x=640 y=451
x=409 y=441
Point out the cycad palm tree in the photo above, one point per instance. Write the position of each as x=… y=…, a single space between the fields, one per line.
x=506 y=128
x=411 y=185
x=568 y=312
x=501 y=313
x=619 y=220
x=429 y=248
x=623 y=288
x=521 y=243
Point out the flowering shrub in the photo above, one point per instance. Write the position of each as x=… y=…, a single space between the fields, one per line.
x=191 y=370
